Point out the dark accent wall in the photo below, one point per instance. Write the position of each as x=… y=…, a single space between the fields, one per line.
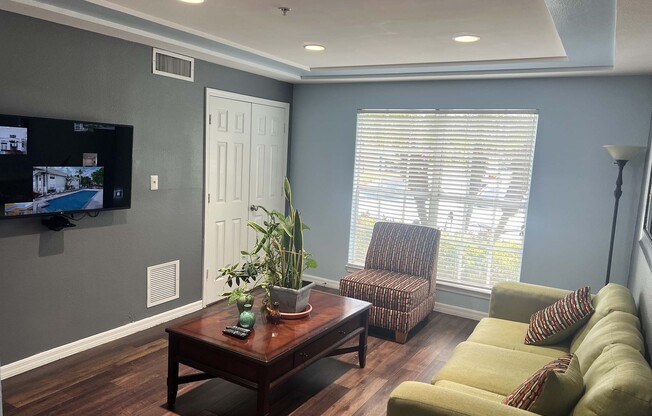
x=59 y=287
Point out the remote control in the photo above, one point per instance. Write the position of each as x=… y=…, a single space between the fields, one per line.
x=237 y=328
x=233 y=333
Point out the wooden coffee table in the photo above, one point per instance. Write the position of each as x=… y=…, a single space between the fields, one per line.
x=272 y=353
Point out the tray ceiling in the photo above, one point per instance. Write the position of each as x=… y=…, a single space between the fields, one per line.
x=366 y=39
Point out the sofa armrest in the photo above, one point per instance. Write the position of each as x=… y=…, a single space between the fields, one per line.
x=412 y=398
x=518 y=301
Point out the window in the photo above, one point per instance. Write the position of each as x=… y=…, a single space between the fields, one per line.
x=464 y=172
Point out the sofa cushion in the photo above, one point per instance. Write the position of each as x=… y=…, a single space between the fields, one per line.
x=612 y=297
x=517 y=301
x=509 y=334
x=494 y=369
x=618 y=383
x=412 y=398
x=389 y=290
x=560 y=320
x=615 y=328
x=552 y=390
x=487 y=395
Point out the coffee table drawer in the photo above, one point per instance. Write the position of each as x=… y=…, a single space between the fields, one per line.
x=326 y=341
x=196 y=352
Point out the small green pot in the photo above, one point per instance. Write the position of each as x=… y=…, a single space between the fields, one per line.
x=247 y=317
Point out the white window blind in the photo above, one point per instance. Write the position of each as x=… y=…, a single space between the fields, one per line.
x=464 y=172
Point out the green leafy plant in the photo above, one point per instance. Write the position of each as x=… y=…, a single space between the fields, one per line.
x=278 y=258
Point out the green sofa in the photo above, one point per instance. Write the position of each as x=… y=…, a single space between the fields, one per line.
x=494 y=360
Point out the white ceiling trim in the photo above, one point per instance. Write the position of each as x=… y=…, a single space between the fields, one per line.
x=455 y=75
x=106 y=27
x=173 y=25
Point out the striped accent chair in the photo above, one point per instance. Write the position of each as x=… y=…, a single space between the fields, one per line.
x=398 y=277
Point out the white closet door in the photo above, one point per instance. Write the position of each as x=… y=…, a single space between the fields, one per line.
x=268 y=161
x=246 y=160
x=228 y=148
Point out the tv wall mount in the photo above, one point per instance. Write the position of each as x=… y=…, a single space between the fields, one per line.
x=57 y=223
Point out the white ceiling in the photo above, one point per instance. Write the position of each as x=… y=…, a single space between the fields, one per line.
x=378 y=39
x=362 y=33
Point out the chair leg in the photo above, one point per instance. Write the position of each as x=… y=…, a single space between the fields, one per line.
x=400 y=337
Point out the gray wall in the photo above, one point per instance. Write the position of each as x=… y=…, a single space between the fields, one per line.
x=571 y=201
x=58 y=287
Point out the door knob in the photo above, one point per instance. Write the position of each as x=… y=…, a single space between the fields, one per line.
x=253 y=208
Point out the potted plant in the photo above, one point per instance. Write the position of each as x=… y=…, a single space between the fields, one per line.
x=241 y=294
x=278 y=259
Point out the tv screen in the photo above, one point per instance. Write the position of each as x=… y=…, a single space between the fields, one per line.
x=50 y=166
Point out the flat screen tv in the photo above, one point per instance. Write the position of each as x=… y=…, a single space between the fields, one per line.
x=61 y=167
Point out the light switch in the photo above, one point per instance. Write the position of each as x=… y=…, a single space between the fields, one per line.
x=153 y=182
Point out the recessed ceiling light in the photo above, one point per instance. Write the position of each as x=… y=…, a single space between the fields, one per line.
x=314 y=47
x=193 y=1
x=466 y=38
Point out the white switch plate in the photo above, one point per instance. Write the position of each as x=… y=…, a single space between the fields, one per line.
x=153 y=182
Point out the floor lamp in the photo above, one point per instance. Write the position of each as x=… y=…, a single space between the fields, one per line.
x=621 y=155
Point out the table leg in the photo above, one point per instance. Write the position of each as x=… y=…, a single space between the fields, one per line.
x=173 y=371
x=262 y=408
x=362 y=345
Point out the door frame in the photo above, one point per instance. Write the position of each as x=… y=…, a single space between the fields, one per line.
x=211 y=92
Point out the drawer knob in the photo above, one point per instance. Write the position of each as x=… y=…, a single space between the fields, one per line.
x=341 y=332
x=303 y=355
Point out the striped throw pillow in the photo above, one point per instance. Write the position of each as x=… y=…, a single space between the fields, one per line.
x=551 y=391
x=560 y=320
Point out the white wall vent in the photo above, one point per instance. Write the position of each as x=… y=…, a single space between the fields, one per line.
x=173 y=65
x=162 y=283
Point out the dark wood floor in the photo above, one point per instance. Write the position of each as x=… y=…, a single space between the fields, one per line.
x=128 y=377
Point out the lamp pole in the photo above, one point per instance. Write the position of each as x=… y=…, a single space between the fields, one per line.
x=617 y=193
x=621 y=154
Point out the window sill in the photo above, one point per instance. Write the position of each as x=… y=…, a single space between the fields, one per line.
x=446 y=286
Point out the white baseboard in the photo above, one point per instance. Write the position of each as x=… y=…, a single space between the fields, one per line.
x=320 y=281
x=439 y=307
x=461 y=312
x=46 y=357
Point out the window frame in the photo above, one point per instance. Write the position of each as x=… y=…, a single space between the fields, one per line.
x=455 y=286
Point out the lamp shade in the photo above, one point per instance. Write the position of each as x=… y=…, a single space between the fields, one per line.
x=619 y=152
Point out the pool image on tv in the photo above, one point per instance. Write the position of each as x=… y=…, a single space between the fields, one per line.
x=67 y=188
x=13 y=140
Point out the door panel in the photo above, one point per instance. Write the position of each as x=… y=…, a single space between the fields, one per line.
x=228 y=189
x=268 y=162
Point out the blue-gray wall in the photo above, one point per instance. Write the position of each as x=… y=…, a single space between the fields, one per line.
x=59 y=287
x=640 y=284
x=640 y=277
x=571 y=202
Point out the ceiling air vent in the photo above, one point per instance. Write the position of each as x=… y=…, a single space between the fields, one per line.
x=162 y=283
x=173 y=65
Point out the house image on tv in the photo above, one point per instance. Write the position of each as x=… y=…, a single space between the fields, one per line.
x=48 y=180
x=13 y=140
